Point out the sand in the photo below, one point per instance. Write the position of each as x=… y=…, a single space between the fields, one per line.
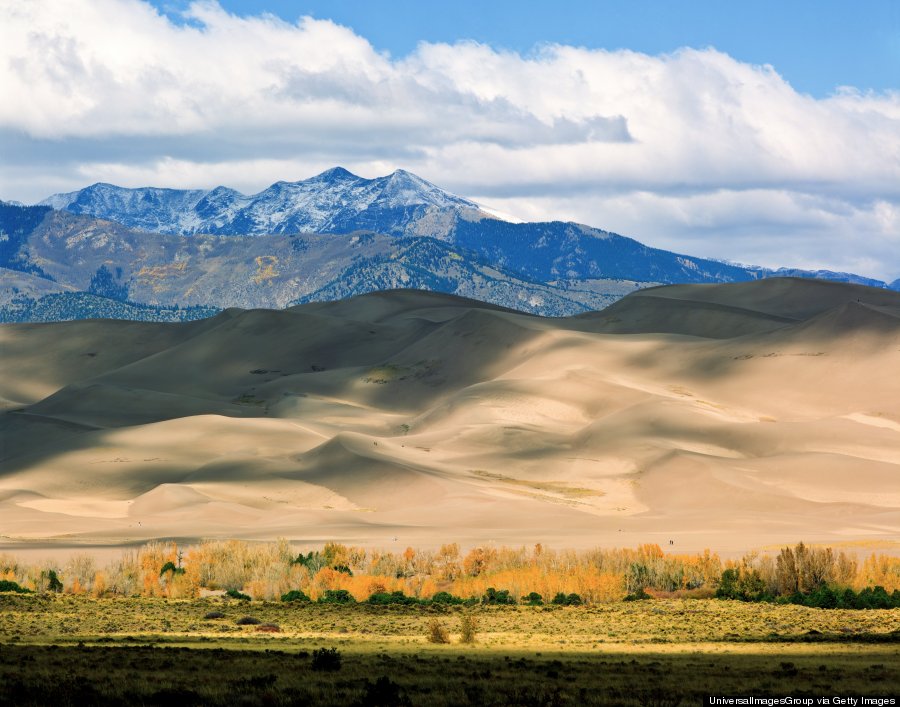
x=728 y=417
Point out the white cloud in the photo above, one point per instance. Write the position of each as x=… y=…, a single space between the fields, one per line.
x=758 y=226
x=693 y=151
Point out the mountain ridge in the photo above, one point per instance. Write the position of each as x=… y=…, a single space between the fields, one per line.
x=147 y=247
x=333 y=201
x=337 y=201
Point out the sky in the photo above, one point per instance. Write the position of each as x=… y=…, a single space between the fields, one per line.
x=758 y=132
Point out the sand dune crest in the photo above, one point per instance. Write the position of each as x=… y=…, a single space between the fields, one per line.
x=725 y=416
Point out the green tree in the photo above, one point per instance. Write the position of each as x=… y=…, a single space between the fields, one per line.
x=53 y=583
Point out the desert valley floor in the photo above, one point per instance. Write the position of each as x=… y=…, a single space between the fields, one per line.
x=725 y=416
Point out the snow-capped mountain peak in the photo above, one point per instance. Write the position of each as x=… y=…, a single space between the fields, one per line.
x=335 y=201
x=335 y=174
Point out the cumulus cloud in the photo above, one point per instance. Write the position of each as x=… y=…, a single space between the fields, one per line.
x=693 y=151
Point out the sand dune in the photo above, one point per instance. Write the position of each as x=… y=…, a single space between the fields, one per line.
x=725 y=416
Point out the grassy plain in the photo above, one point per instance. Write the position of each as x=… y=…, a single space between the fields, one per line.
x=65 y=650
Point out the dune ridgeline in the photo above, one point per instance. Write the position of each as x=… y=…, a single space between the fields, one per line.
x=724 y=416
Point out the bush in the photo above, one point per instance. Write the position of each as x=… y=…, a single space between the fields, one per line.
x=875 y=598
x=170 y=567
x=533 y=599
x=637 y=578
x=437 y=633
x=468 y=626
x=848 y=599
x=727 y=588
x=495 y=596
x=235 y=594
x=337 y=596
x=313 y=561
x=743 y=584
x=295 y=595
x=823 y=598
x=398 y=597
x=562 y=599
x=248 y=621
x=574 y=600
x=214 y=615
x=446 y=598
x=326 y=660
x=8 y=586
x=384 y=692
x=53 y=583
x=639 y=595
x=269 y=628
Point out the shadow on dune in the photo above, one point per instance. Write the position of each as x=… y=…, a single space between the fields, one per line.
x=398 y=350
x=245 y=396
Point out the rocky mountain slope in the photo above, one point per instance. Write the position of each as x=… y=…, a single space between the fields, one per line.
x=335 y=201
x=83 y=254
x=332 y=236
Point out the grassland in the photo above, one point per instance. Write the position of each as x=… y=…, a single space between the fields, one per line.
x=77 y=650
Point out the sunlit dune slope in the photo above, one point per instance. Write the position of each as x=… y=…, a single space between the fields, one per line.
x=724 y=416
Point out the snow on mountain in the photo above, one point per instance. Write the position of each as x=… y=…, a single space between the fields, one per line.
x=335 y=201
x=220 y=248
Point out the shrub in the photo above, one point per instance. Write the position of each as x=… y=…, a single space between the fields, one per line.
x=53 y=583
x=269 y=628
x=744 y=584
x=337 y=596
x=637 y=578
x=235 y=594
x=446 y=598
x=639 y=595
x=848 y=599
x=562 y=599
x=727 y=588
x=8 y=586
x=881 y=599
x=495 y=596
x=398 y=597
x=295 y=595
x=326 y=660
x=797 y=597
x=437 y=633
x=384 y=692
x=170 y=567
x=468 y=626
x=823 y=598
x=313 y=561
x=214 y=615
x=574 y=600
x=874 y=598
x=248 y=621
x=533 y=599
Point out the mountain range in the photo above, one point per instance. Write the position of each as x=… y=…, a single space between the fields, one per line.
x=334 y=201
x=165 y=254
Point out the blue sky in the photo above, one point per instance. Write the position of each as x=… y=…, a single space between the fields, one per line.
x=817 y=45
x=759 y=132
